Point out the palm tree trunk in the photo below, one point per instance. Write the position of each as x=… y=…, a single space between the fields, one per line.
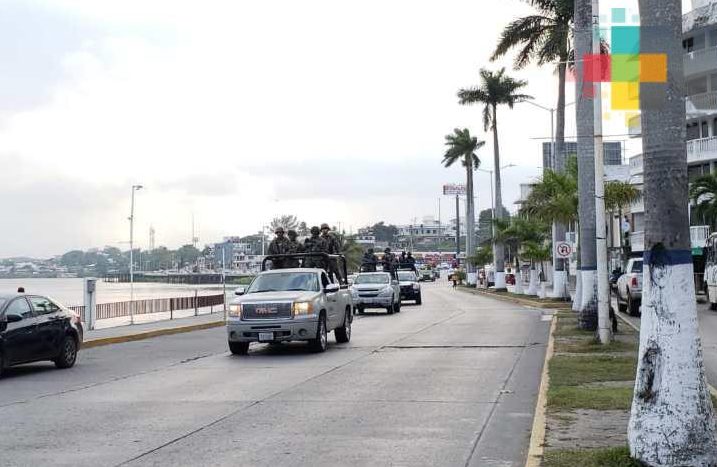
x=498 y=251
x=470 y=221
x=586 y=169
x=559 y=271
x=672 y=421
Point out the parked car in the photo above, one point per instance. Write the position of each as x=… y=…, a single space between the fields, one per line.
x=629 y=288
x=410 y=288
x=376 y=290
x=34 y=328
x=298 y=304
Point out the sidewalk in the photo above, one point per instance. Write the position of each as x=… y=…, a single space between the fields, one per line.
x=127 y=333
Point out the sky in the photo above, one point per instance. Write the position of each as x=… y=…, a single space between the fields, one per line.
x=234 y=112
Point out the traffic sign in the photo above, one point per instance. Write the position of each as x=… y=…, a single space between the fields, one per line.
x=563 y=250
x=454 y=189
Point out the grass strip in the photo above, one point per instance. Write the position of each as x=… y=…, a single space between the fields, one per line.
x=593 y=346
x=574 y=370
x=612 y=457
x=579 y=397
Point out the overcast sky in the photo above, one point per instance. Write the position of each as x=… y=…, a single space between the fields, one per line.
x=238 y=111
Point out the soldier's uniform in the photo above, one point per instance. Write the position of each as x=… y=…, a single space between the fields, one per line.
x=389 y=261
x=369 y=261
x=294 y=247
x=315 y=244
x=333 y=248
x=279 y=246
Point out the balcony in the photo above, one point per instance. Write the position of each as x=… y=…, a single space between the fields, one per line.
x=700 y=61
x=636 y=165
x=699 y=17
x=702 y=149
x=700 y=105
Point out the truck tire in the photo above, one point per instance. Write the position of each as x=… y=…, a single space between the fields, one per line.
x=360 y=309
x=713 y=306
x=239 y=348
x=418 y=299
x=397 y=307
x=320 y=343
x=343 y=334
x=633 y=306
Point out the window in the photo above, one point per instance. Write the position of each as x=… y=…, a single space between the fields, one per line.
x=19 y=307
x=379 y=278
x=688 y=44
x=324 y=280
x=693 y=131
x=284 y=282
x=43 y=306
x=636 y=267
x=705 y=130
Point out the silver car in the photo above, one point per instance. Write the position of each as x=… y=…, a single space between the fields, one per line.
x=629 y=288
x=288 y=305
x=376 y=290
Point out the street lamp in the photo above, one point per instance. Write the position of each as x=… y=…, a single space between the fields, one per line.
x=131 y=255
x=552 y=126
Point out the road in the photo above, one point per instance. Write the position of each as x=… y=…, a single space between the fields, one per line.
x=708 y=333
x=450 y=383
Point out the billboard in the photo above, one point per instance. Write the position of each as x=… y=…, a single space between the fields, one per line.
x=453 y=189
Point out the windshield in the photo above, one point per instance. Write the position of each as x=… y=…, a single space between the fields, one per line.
x=637 y=266
x=406 y=276
x=284 y=282
x=372 y=279
x=2 y=303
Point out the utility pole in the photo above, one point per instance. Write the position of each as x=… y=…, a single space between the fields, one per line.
x=603 y=292
x=131 y=255
x=458 y=229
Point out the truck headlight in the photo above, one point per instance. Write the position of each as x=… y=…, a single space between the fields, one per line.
x=416 y=286
x=235 y=310
x=386 y=292
x=302 y=308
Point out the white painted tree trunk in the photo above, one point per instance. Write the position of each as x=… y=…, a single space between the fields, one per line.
x=577 y=299
x=560 y=284
x=533 y=284
x=519 y=282
x=589 y=296
x=671 y=422
x=500 y=280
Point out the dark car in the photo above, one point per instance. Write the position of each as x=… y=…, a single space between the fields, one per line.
x=410 y=288
x=35 y=328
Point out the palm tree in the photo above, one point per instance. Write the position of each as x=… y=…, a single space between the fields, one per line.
x=462 y=147
x=554 y=199
x=703 y=193
x=495 y=89
x=619 y=195
x=287 y=222
x=672 y=419
x=544 y=38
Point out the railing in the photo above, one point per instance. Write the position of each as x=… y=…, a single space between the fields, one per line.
x=702 y=149
x=155 y=305
x=700 y=61
x=702 y=104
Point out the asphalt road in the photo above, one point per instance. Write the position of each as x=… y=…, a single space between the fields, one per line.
x=451 y=383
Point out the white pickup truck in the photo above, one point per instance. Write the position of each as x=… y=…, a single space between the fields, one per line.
x=293 y=304
x=629 y=288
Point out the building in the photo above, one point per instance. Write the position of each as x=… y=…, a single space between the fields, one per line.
x=613 y=152
x=429 y=232
x=236 y=255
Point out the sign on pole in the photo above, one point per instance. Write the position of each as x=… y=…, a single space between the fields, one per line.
x=563 y=250
x=454 y=189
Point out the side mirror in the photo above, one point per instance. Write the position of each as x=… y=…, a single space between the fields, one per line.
x=332 y=288
x=13 y=318
x=241 y=290
x=3 y=324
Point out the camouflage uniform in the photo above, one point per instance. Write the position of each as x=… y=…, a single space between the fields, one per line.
x=294 y=248
x=369 y=261
x=333 y=248
x=279 y=246
x=315 y=244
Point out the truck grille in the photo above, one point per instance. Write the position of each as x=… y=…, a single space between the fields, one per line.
x=266 y=311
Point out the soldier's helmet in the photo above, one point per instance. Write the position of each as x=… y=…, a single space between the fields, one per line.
x=315 y=230
x=387 y=250
x=325 y=227
x=279 y=230
x=292 y=234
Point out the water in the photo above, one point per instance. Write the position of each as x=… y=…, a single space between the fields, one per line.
x=69 y=292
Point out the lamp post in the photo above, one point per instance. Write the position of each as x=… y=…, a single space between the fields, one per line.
x=135 y=188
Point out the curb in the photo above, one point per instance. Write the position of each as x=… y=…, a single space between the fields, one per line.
x=520 y=301
x=537 y=435
x=711 y=388
x=149 y=334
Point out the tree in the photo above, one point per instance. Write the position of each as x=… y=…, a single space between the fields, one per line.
x=187 y=255
x=703 y=193
x=495 y=89
x=672 y=419
x=462 y=147
x=555 y=197
x=303 y=229
x=482 y=256
x=384 y=233
x=352 y=251
x=287 y=222
x=73 y=258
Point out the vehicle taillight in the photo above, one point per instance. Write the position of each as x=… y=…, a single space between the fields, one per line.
x=634 y=281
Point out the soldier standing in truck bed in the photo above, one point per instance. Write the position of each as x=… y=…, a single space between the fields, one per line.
x=279 y=246
x=333 y=248
x=315 y=244
x=294 y=248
